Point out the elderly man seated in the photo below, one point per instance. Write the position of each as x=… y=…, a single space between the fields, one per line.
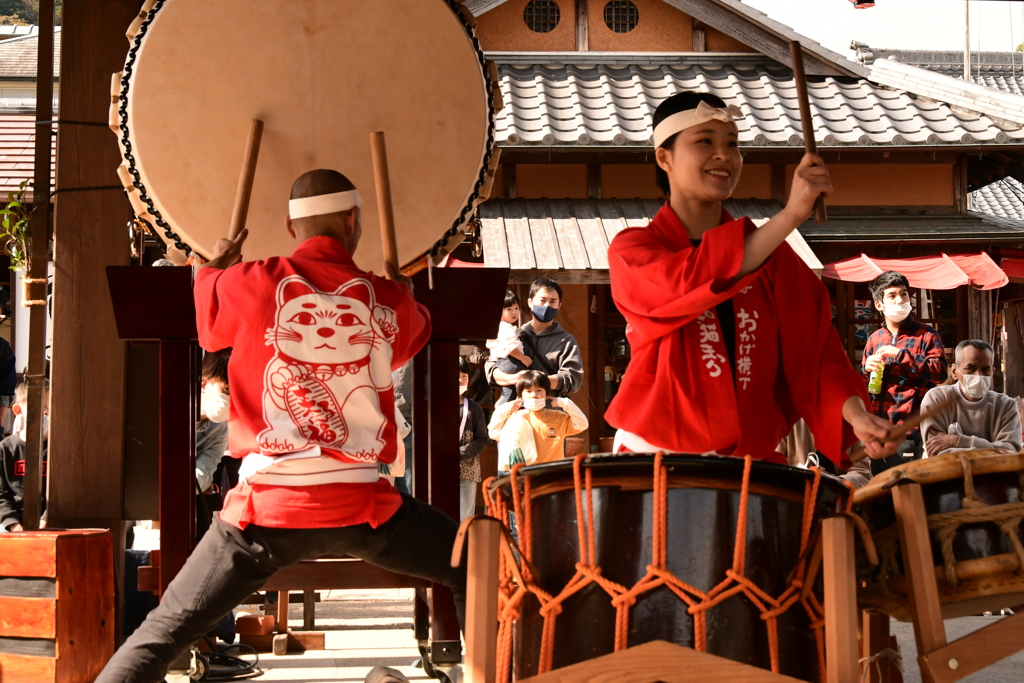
x=978 y=417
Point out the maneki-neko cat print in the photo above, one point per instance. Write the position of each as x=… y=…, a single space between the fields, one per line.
x=328 y=384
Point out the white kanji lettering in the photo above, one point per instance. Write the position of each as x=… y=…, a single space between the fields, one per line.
x=743 y=365
x=706 y=315
x=709 y=333
x=744 y=381
x=745 y=321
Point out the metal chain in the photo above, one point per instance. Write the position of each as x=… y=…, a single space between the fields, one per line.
x=467 y=210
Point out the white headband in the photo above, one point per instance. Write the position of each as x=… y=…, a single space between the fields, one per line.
x=324 y=203
x=691 y=117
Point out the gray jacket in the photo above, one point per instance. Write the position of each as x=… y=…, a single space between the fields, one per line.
x=561 y=352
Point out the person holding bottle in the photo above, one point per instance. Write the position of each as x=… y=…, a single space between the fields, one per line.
x=902 y=360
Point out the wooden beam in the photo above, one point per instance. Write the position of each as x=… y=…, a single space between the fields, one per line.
x=699 y=37
x=508 y=181
x=840 y=601
x=875 y=630
x=593 y=181
x=916 y=546
x=975 y=651
x=753 y=34
x=482 y=601
x=582 y=28
x=1013 y=350
x=588 y=276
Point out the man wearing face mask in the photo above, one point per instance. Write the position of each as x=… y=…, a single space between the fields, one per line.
x=554 y=351
x=979 y=417
x=902 y=361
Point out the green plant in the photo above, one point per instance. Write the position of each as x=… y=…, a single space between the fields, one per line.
x=14 y=227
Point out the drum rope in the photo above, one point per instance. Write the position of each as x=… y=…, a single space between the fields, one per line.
x=517 y=581
x=468 y=208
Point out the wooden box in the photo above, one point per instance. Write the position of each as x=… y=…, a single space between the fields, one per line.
x=56 y=605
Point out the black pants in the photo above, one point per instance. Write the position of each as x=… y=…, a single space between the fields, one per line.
x=229 y=564
x=910 y=450
x=510 y=366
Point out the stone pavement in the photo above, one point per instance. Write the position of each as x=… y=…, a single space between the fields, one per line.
x=363 y=629
x=374 y=627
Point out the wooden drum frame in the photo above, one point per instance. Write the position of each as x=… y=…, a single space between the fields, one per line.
x=711 y=553
x=974 y=501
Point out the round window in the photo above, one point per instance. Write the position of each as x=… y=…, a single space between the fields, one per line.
x=541 y=15
x=621 y=16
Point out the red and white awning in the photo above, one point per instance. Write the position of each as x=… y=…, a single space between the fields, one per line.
x=945 y=271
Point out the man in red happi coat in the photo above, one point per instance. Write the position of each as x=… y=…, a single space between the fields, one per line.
x=730 y=331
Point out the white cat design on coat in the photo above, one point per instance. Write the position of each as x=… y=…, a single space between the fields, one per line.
x=333 y=357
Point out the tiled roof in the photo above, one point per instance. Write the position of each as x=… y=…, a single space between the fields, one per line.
x=19 y=56
x=1001 y=70
x=574 y=234
x=573 y=99
x=969 y=228
x=954 y=91
x=17 y=152
x=1004 y=198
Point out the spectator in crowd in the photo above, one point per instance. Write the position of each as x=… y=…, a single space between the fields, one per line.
x=978 y=417
x=554 y=351
x=527 y=430
x=472 y=439
x=402 y=380
x=12 y=463
x=909 y=358
x=8 y=379
x=507 y=349
x=212 y=429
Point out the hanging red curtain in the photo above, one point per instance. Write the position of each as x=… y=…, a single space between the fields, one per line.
x=945 y=271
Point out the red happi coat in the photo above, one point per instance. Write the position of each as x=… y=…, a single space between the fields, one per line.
x=678 y=391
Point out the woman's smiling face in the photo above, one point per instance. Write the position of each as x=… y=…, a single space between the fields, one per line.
x=704 y=162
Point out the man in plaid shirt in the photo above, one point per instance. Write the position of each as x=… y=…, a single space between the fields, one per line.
x=911 y=358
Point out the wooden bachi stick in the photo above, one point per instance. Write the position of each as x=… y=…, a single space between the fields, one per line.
x=244 y=192
x=898 y=432
x=385 y=207
x=806 y=123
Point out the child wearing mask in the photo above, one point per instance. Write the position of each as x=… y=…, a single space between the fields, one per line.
x=507 y=349
x=472 y=439
x=12 y=461
x=527 y=430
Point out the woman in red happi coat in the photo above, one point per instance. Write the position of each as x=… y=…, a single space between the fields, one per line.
x=730 y=331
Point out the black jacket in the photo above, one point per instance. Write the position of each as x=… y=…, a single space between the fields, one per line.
x=12 y=480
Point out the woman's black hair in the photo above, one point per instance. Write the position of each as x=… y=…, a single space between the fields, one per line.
x=510 y=299
x=463 y=365
x=683 y=101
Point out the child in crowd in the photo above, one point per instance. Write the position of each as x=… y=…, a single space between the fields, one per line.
x=507 y=349
x=12 y=461
x=527 y=430
x=472 y=439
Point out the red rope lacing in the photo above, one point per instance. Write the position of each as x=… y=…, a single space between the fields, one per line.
x=517 y=580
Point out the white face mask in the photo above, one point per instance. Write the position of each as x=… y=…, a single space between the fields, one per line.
x=215 y=404
x=897 y=312
x=534 y=404
x=975 y=386
x=463 y=388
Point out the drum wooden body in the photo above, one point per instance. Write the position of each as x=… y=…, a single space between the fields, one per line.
x=974 y=504
x=322 y=75
x=703 y=496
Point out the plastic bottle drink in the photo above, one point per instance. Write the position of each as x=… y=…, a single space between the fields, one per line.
x=875 y=382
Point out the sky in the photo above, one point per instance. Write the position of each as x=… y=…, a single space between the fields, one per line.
x=996 y=25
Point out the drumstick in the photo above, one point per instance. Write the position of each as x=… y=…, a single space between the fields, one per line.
x=858 y=452
x=806 y=123
x=385 y=208
x=244 y=191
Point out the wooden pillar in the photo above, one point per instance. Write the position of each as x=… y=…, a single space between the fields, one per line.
x=699 y=43
x=482 y=601
x=87 y=395
x=840 y=601
x=876 y=638
x=1013 y=350
x=979 y=314
x=576 y=318
x=582 y=29
x=919 y=567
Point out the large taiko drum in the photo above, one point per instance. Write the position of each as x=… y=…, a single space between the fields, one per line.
x=706 y=552
x=974 y=501
x=322 y=75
